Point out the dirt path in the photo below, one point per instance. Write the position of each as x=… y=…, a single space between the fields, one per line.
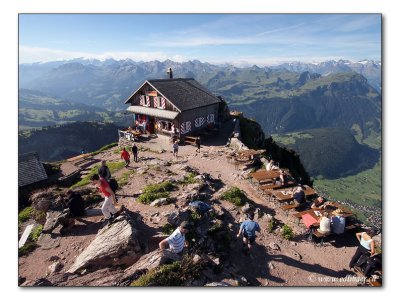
x=296 y=263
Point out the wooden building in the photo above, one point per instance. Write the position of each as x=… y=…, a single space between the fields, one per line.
x=180 y=106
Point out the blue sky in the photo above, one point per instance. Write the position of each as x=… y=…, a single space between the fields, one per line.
x=261 y=39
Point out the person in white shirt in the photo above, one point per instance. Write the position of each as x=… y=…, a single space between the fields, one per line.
x=176 y=240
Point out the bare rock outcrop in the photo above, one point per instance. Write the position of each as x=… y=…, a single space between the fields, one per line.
x=116 y=244
x=147 y=262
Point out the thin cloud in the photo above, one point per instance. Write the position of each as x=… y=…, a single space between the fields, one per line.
x=37 y=54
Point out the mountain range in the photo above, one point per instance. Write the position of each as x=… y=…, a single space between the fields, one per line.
x=107 y=83
x=37 y=109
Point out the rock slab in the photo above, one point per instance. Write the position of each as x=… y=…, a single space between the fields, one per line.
x=116 y=244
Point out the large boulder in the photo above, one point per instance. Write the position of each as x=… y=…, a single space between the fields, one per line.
x=146 y=263
x=116 y=244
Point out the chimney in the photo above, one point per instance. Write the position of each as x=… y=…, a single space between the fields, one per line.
x=169 y=71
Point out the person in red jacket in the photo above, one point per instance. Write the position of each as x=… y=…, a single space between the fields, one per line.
x=108 y=209
x=125 y=156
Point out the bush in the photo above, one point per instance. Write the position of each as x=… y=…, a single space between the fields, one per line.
x=175 y=274
x=189 y=179
x=113 y=166
x=168 y=229
x=36 y=233
x=287 y=232
x=155 y=191
x=194 y=216
x=25 y=214
x=235 y=196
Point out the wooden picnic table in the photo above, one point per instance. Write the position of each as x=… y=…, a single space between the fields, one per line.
x=280 y=195
x=264 y=175
x=322 y=211
x=276 y=186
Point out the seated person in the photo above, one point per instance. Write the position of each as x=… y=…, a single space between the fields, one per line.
x=324 y=224
x=338 y=222
x=284 y=178
x=299 y=198
x=271 y=166
x=318 y=203
x=276 y=181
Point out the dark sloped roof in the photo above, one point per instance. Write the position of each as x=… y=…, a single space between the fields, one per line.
x=30 y=169
x=184 y=93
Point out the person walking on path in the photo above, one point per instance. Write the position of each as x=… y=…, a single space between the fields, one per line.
x=198 y=144
x=104 y=171
x=176 y=240
x=108 y=209
x=249 y=228
x=175 y=148
x=135 y=153
x=367 y=246
x=126 y=157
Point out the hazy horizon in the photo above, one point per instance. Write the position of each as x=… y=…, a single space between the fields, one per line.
x=260 y=39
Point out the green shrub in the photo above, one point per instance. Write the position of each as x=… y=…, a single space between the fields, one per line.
x=168 y=228
x=287 y=232
x=155 y=191
x=175 y=274
x=113 y=166
x=147 y=198
x=25 y=214
x=36 y=233
x=235 y=196
x=194 y=216
x=189 y=179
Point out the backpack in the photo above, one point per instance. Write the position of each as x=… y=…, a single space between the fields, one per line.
x=113 y=184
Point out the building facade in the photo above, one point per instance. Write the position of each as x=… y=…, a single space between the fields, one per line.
x=178 y=106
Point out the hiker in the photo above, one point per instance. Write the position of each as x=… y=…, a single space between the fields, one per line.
x=176 y=240
x=175 y=148
x=271 y=166
x=74 y=202
x=276 y=181
x=108 y=209
x=249 y=228
x=338 y=222
x=319 y=203
x=299 y=197
x=126 y=157
x=283 y=177
x=135 y=153
x=104 y=171
x=367 y=246
x=198 y=144
x=200 y=206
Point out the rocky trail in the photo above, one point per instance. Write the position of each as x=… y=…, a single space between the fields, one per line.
x=93 y=254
